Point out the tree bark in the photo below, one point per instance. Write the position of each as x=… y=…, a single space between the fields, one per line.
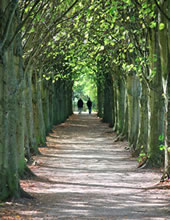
x=133 y=90
x=121 y=105
x=32 y=147
x=108 y=99
x=9 y=184
x=164 y=38
x=20 y=107
x=156 y=104
x=39 y=126
x=100 y=98
x=143 y=121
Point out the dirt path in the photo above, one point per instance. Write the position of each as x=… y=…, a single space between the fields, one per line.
x=84 y=174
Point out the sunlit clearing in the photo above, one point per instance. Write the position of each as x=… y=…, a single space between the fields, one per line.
x=84 y=88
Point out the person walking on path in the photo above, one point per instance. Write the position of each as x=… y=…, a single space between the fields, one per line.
x=89 y=105
x=80 y=105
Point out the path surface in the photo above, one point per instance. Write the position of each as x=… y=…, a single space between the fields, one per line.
x=84 y=174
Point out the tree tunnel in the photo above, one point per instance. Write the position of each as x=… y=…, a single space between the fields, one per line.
x=118 y=49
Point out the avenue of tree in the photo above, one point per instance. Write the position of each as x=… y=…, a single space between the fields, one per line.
x=45 y=45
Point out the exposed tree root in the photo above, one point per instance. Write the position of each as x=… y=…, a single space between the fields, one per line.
x=120 y=137
x=36 y=152
x=27 y=173
x=127 y=148
x=145 y=164
x=20 y=194
x=42 y=145
x=161 y=185
x=165 y=177
x=26 y=195
x=142 y=164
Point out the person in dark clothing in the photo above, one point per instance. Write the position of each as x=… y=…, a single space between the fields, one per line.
x=89 y=105
x=80 y=105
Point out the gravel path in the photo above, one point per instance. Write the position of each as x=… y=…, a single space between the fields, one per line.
x=84 y=174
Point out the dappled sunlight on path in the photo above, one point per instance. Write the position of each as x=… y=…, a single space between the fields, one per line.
x=84 y=174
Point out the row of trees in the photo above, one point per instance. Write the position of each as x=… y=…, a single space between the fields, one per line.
x=32 y=96
x=45 y=46
x=134 y=90
x=127 y=46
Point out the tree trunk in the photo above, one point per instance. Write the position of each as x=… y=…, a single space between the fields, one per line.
x=143 y=121
x=122 y=127
x=133 y=89
x=156 y=104
x=45 y=104
x=167 y=159
x=20 y=108
x=100 y=98
x=39 y=126
x=4 y=188
x=121 y=106
x=108 y=100
x=13 y=178
x=9 y=184
x=32 y=147
x=70 y=92
x=164 y=37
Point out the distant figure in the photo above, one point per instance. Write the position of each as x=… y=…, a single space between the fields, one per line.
x=89 y=105
x=80 y=105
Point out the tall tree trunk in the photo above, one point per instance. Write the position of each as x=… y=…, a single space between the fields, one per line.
x=45 y=104
x=69 y=93
x=20 y=108
x=61 y=101
x=4 y=188
x=121 y=105
x=108 y=99
x=57 y=102
x=133 y=89
x=143 y=121
x=167 y=159
x=156 y=104
x=32 y=147
x=13 y=178
x=121 y=120
x=54 y=105
x=39 y=126
x=164 y=37
x=9 y=184
x=100 y=98
x=115 y=106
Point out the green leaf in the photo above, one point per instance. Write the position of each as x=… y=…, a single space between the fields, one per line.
x=32 y=30
x=161 y=26
x=113 y=9
x=38 y=17
x=152 y=24
x=161 y=137
x=132 y=18
x=162 y=147
x=47 y=78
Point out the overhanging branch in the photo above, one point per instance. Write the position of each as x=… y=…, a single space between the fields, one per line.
x=160 y=9
x=14 y=5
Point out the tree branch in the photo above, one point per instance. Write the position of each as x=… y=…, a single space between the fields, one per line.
x=66 y=11
x=22 y=23
x=47 y=34
x=14 y=5
x=160 y=9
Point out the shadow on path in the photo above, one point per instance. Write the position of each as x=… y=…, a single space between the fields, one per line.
x=84 y=174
